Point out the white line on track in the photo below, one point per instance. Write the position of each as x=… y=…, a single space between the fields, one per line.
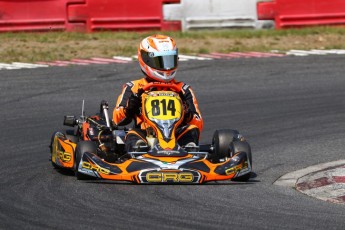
x=188 y=57
x=128 y=59
x=8 y=66
x=20 y=65
x=28 y=65
x=298 y=52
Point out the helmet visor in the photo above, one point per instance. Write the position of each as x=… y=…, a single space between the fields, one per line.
x=166 y=60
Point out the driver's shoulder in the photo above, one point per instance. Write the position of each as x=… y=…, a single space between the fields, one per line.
x=137 y=84
x=182 y=85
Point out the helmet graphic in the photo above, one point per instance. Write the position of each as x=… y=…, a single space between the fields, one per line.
x=157 y=57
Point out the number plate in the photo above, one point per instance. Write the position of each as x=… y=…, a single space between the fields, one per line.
x=163 y=106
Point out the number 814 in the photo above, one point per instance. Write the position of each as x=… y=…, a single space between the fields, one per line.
x=156 y=108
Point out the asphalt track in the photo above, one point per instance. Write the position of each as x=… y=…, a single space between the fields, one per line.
x=291 y=110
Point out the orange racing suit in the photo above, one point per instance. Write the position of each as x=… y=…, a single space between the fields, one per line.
x=190 y=132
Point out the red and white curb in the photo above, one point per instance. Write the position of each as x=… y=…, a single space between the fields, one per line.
x=324 y=181
x=199 y=57
x=99 y=61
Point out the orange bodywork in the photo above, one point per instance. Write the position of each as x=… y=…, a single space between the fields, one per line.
x=160 y=169
x=63 y=152
x=165 y=144
x=85 y=129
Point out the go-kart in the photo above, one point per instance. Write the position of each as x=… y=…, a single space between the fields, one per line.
x=96 y=149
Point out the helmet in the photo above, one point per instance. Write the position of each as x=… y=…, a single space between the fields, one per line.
x=157 y=57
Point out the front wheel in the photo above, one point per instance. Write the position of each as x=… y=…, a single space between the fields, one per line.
x=242 y=146
x=82 y=147
x=53 y=148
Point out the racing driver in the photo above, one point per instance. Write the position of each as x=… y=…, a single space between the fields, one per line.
x=158 y=57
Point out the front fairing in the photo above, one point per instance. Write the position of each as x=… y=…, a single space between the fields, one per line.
x=189 y=169
x=62 y=151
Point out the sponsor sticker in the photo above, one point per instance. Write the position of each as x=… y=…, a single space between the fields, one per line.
x=170 y=177
x=87 y=165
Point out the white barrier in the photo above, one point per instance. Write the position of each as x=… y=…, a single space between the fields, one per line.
x=204 y=14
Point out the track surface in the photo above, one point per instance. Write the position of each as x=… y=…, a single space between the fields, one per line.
x=290 y=109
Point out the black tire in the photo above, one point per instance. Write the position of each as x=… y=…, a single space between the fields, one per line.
x=82 y=147
x=51 y=147
x=242 y=146
x=72 y=138
x=69 y=134
x=221 y=143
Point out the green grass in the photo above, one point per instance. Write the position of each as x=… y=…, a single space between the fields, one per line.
x=202 y=34
x=32 y=47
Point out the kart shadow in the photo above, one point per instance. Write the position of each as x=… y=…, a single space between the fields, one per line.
x=65 y=172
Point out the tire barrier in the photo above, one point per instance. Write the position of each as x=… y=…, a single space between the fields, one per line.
x=136 y=15
x=84 y=15
x=203 y=14
x=292 y=13
x=34 y=15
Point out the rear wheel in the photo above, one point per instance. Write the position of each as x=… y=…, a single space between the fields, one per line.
x=82 y=147
x=221 y=143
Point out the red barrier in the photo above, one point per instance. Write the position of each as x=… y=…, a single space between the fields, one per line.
x=137 y=15
x=34 y=15
x=84 y=15
x=292 y=13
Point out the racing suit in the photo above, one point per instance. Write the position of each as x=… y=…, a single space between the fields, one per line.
x=188 y=131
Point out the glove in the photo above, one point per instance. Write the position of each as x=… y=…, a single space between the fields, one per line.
x=133 y=106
